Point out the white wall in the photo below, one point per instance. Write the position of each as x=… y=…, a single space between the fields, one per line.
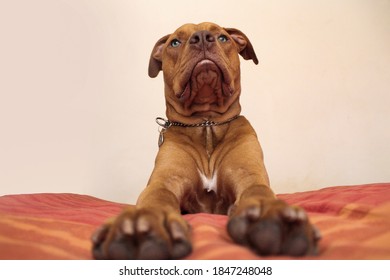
x=77 y=108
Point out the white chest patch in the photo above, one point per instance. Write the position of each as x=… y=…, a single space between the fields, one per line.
x=209 y=184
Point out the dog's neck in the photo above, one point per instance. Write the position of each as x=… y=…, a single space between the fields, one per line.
x=208 y=127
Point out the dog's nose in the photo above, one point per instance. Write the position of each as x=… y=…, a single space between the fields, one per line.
x=201 y=38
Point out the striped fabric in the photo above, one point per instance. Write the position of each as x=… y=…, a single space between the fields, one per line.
x=354 y=222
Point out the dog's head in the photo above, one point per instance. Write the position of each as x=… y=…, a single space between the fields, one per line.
x=201 y=71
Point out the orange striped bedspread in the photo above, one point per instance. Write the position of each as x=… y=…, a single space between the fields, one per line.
x=354 y=222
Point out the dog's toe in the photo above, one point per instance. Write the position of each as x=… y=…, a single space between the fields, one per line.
x=266 y=237
x=296 y=245
x=154 y=249
x=297 y=240
x=238 y=228
x=121 y=249
x=181 y=246
x=98 y=238
x=181 y=249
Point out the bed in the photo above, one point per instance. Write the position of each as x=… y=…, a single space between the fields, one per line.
x=354 y=221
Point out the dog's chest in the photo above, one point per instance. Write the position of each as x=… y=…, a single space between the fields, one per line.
x=209 y=141
x=209 y=183
x=206 y=149
x=207 y=198
x=208 y=171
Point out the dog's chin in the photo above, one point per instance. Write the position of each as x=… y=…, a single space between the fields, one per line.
x=207 y=115
x=207 y=89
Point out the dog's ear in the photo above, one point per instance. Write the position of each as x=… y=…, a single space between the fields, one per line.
x=245 y=47
x=155 y=62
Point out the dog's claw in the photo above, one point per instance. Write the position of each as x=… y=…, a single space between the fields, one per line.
x=128 y=227
x=294 y=214
x=253 y=213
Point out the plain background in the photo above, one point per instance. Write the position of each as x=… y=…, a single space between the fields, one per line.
x=77 y=108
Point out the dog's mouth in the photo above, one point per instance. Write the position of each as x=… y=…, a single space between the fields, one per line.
x=207 y=84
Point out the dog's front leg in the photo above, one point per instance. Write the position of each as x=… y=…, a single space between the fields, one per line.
x=154 y=228
x=143 y=233
x=258 y=219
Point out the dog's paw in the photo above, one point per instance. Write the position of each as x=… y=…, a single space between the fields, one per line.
x=272 y=227
x=142 y=234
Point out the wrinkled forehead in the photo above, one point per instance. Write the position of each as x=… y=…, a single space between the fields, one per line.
x=187 y=29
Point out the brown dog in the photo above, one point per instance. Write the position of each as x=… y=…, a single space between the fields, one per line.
x=209 y=159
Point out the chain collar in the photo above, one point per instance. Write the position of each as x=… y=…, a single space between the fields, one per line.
x=167 y=123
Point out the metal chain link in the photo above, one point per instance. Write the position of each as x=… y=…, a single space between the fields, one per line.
x=167 y=123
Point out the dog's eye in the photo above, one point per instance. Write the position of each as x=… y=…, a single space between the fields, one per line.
x=222 y=38
x=175 y=43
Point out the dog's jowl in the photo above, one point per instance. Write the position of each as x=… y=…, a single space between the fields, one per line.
x=209 y=159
